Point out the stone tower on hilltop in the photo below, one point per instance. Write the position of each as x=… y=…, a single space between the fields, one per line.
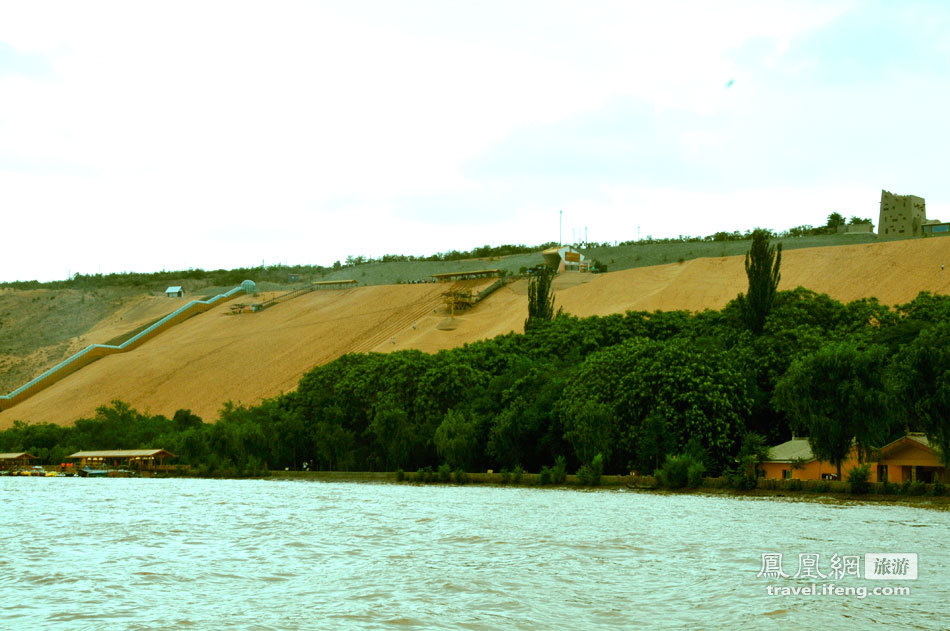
x=902 y=215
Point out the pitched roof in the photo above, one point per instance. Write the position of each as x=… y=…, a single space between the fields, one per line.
x=14 y=456
x=175 y=288
x=799 y=449
x=794 y=449
x=921 y=438
x=123 y=453
x=917 y=437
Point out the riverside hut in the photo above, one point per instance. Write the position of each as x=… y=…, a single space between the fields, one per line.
x=140 y=459
x=13 y=461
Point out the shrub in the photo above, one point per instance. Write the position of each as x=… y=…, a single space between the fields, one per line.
x=559 y=472
x=505 y=476
x=680 y=471
x=445 y=473
x=460 y=476
x=821 y=486
x=913 y=488
x=739 y=480
x=858 y=480
x=939 y=488
x=556 y=474
x=589 y=474
x=516 y=474
x=695 y=474
x=400 y=475
x=889 y=488
x=545 y=477
x=424 y=474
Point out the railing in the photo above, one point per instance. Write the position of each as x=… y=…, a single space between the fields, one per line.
x=498 y=283
x=95 y=351
x=281 y=298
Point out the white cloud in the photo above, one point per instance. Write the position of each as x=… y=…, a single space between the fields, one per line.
x=309 y=131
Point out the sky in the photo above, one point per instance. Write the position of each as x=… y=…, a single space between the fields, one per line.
x=141 y=136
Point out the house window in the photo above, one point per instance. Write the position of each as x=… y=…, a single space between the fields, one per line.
x=786 y=474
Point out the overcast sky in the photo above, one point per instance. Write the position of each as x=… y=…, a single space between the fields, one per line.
x=139 y=136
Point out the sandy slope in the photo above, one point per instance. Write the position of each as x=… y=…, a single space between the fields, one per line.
x=57 y=324
x=138 y=312
x=216 y=357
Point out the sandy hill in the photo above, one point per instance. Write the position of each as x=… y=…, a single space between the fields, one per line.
x=40 y=328
x=216 y=357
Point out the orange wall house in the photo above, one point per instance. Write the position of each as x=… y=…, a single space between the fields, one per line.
x=908 y=458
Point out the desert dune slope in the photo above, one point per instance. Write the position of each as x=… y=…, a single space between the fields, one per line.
x=216 y=357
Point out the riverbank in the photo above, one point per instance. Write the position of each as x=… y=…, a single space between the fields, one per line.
x=824 y=492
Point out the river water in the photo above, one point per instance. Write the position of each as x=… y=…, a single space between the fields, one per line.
x=266 y=554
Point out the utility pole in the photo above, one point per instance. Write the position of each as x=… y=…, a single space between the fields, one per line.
x=585 y=236
x=560 y=223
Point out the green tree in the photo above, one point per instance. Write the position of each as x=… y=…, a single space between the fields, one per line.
x=524 y=427
x=920 y=379
x=591 y=431
x=752 y=452
x=697 y=394
x=837 y=397
x=333 y=444
x=654 y=397
x=835 y=219
x=762 y=263
x=184 y=420
x=540 y=298
x=456 y=439
x=393 y=434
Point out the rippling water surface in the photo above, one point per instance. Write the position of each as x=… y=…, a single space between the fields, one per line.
x=260 y=554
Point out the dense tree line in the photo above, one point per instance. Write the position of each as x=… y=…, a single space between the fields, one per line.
x=632 y=389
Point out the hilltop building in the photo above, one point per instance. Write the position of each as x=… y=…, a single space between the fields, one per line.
x=906 y=215
x=175 y=292
x=564 y=258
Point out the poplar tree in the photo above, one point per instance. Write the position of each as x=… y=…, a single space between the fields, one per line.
x=762 y=263
x=540 y=298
